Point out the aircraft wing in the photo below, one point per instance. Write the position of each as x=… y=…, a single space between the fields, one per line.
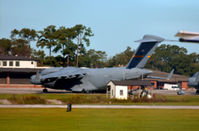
x=67 y=73
x=187 y=36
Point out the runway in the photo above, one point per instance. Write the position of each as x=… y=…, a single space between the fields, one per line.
x=103 y=106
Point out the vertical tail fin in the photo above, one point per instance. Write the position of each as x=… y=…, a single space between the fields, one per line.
x=146 y=48
x=170 y=75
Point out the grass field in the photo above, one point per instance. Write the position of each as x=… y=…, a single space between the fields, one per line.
x=100 y=99
x=98 y=120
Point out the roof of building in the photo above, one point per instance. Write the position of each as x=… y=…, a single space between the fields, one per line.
x=5 y=57
x=133 y=83
x=19 y=70
x=175 y=77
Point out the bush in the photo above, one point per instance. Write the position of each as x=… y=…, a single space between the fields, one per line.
x=27 y=100
x=85 y=99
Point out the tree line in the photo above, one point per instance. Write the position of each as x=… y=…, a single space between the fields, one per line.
x=68 y=46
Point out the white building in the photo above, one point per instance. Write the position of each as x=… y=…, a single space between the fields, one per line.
x=17 y=62
x=17 y=70
x=171 y=86
x=120 y=89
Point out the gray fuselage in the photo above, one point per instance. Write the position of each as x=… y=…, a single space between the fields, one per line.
x=100 y=77
x=95 y=79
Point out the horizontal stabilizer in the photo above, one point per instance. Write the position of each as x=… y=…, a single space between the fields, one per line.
x=150 y=38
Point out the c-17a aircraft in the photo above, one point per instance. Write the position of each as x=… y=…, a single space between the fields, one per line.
x=193 y=37
x=187 y=36
x=88 y=79
x=194 y=81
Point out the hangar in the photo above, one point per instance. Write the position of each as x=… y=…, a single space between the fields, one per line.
x=160 y=83
x=15 y=71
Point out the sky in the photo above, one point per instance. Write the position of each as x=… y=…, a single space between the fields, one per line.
x=116 y=24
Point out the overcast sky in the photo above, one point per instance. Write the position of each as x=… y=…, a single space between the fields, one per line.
x=116 y=24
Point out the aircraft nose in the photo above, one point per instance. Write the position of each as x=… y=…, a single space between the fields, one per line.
x=33 y=80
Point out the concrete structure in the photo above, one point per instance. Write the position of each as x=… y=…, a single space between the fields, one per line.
x=120 y=89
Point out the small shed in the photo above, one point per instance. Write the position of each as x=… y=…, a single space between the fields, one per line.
x=119 y=89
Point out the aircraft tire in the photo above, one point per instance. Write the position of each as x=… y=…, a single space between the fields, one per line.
x=45 y=90
x=85 y=91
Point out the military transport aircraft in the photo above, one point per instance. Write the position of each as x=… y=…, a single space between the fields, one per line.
x=194 y=81
x=187 y=36
x=88 y=79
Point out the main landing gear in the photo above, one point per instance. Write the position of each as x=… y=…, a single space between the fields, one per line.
x=45 y=90
x=197 y=91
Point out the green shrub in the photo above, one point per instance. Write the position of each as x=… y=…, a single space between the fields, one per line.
x=86 y=99
x=27 y=99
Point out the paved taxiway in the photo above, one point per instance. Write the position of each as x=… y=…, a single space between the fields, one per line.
x=102 y=106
